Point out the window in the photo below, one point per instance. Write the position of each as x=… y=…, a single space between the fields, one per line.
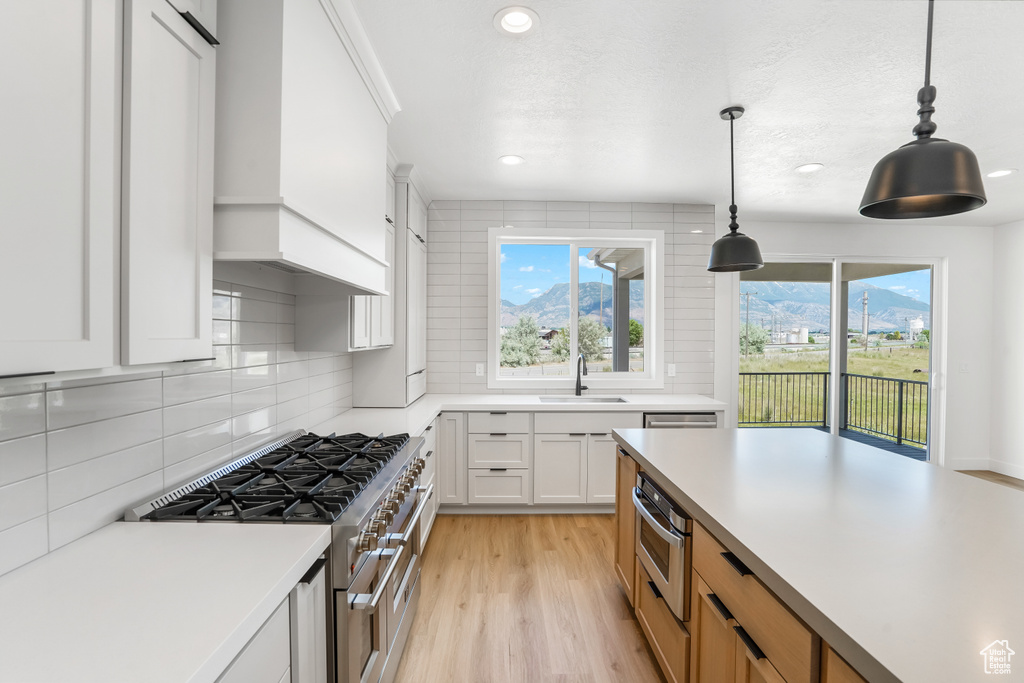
x=555 y=295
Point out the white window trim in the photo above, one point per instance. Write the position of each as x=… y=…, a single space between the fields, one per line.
x=652 y=241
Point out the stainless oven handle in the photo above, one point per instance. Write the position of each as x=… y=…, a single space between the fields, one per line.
x=410 y=525
x=670 y=536
x=368 y=601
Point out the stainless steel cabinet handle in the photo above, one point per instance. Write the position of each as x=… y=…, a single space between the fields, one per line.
x=670 y=536
x=368 y=601
x=410 y=525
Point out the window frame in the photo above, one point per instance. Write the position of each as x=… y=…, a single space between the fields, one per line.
x=653 y=244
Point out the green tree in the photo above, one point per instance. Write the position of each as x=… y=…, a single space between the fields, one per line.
x=591 y=341
x=893 y=336
x=520 y=345
x=636 y=333
x=924 y=335
x=752 y=339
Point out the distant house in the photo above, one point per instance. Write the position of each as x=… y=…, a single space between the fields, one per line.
x=548 y=335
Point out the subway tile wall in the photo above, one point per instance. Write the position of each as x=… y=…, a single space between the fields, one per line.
x=457 y=283
x=75 y=454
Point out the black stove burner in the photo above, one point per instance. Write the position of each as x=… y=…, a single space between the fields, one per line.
x=310 y=479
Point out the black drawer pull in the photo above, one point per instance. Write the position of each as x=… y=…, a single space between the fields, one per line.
x=501 y=412
x=388 y=219
x=429 y=453
x=720 y=606
x=29 y=374
x=196 y=360
x=749 y=642
x=314 y=570
x=429 y=427
x=654 y=589
x=599 y=433
x=498 y=434
x=499 y=469
x=577 y=434
x=735 y=563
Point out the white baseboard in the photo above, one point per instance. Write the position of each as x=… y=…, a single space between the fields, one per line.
x=526 y=510
x=1008 y=468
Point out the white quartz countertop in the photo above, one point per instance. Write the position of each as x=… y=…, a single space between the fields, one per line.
x=908 y=570
x=160 y=603
x=418 y=415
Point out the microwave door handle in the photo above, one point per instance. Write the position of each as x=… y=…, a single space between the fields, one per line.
x=368 y=601
x=670 y=536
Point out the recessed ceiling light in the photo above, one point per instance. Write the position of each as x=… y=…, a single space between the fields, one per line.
x=696 y=231
x=516 y=20
x=511 y=160
x=1001 y=173
x=810 y=168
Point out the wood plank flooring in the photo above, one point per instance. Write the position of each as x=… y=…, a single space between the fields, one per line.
x=996 y=477
x=517 y=598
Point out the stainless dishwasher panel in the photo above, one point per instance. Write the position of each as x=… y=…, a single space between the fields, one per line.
x=680 y=420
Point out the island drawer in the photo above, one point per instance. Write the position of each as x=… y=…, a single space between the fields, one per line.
x=669 y=640
x=585 y=423
x=499 y=423
x=791 y=647
x=834 y=668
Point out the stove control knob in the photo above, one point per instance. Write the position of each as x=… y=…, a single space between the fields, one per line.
x=419 y=465
x=405 y=484
x=366 y=542
x=392 y=504
x=382 y=519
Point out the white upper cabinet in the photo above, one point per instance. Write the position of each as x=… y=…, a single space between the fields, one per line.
x=167 y=221
x=302 y=117
x=59 y=172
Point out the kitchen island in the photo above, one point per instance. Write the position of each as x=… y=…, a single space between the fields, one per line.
x=905 y=569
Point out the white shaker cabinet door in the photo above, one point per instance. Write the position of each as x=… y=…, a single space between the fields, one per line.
x=58 y=170
x=560 y=468
x=601 y=465
x=167 y=233
x=416 y=304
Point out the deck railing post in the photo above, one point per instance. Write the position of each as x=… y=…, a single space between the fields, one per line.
x=899 y=415
x=824 y=403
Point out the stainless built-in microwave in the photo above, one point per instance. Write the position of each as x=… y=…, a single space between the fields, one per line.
x=664 y=544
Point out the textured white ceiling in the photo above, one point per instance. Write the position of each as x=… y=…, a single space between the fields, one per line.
x=619 y=101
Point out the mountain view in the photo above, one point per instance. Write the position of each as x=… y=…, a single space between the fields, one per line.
x=551 y=309
x=806 y=304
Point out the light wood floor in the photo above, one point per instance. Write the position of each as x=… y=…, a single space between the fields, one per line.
x=996 y=477
x=524 y=598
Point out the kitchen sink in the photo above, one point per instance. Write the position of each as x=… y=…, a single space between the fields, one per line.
x=582 y=399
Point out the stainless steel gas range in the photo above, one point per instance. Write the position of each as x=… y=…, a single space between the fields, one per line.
x=368 y=490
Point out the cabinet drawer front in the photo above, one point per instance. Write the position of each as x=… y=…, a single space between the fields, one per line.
x=508 y=487
x=667 y=636
x=834 y=669
x=415 y=386
x=499 y=423
x=509 y=450
x=589 y=423
x=429 y=438
x=791 y=646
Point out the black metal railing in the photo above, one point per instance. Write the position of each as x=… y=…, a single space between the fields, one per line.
x=783 y=398
x=894 y=409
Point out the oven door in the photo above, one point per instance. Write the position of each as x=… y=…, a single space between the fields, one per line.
x=361 y=617
x=404 y=585
x=664 y=551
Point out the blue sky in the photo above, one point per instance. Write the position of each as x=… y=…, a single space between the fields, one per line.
x=915 y=285
x=529 y=270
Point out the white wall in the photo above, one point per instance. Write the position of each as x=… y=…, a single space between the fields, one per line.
x=75 y=454
x=457 y=284
x=1008 y=367
x=968 y=252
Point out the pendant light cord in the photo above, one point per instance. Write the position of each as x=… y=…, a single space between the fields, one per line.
x=928 y=49
x=733 y=225
x=926 y=95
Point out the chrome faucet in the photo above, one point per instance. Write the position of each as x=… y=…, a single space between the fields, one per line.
x=580 y=362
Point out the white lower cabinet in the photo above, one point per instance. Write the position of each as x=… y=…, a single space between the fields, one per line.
x=499 y=485
x=560 y=468
x=601 y=468
x=308 y=619
x=427 y=477
x=265 y=658
x=451 y=462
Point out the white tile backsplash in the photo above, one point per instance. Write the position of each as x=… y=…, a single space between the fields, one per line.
x=74 y=455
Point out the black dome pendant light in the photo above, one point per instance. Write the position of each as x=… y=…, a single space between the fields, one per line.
x=928 y=176
x=733 y=251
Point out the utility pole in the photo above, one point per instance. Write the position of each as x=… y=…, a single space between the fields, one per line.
x=864 y=319
x=746 y=332
x=602 y=304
